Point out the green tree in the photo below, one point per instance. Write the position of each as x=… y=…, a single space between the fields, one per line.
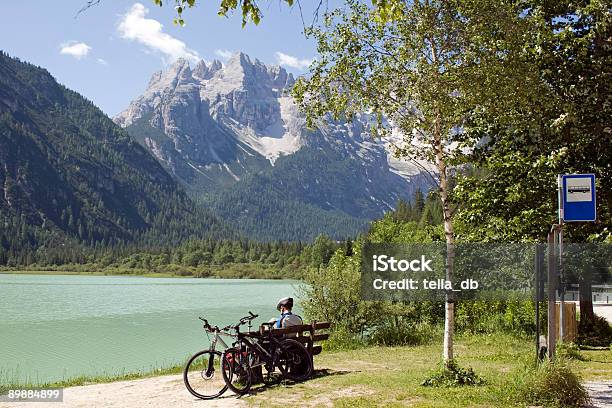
x=403 y=211
x=321 y=251
x=512 y=195
x=421 y=66
x=419 y=202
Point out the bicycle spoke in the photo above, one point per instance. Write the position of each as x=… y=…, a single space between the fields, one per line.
x=203 y=377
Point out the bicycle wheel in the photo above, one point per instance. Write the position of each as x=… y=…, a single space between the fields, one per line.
x=296 y=362
x=201 y=375
x=237 y=371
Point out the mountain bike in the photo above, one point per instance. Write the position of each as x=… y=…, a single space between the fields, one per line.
x=201 y=373
x=268 y=351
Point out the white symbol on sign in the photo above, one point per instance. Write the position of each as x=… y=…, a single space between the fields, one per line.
x=578 y=189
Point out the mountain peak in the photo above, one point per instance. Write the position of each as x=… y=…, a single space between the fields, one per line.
x=216 y=65
x=203 y=71
x=241 y=61
x=179 y=67
x=241 y=57
x=232 y=130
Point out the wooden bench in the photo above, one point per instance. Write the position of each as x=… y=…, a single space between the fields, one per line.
x=307 y=334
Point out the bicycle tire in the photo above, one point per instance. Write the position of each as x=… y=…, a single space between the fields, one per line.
x=298 y=360
x=204 y=373
x=236 y=367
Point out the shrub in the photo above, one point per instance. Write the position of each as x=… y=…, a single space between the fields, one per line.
x=595 y=332
x=551 y=385
x=451 y=375
x=333 y=294
x=341 y=339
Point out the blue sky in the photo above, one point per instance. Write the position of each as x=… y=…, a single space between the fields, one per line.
x=109 y=52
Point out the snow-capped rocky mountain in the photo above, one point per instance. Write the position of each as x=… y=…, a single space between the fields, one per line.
x=232 y=134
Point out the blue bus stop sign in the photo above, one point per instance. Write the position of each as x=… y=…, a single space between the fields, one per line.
x=578 y=195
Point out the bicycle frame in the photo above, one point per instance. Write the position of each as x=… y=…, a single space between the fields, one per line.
x=218 y=339
x=256 y=347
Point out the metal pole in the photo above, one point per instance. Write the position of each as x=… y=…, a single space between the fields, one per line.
x=538 y=279
x=552 y=289
x=560 y=252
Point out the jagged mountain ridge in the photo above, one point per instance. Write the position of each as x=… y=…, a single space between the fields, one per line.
x=232 y=134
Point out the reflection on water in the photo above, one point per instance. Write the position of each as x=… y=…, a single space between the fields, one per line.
x=54 y=327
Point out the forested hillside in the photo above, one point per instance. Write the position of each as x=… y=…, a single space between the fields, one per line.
x=244 y=258
x=70 y=177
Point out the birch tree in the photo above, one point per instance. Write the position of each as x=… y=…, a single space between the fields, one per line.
x=420 y=68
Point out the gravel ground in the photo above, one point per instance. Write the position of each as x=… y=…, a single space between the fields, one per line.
x=601 y=393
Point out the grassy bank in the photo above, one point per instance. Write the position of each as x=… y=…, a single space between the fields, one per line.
x=392 y=376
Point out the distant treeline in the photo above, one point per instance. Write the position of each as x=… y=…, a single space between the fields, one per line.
x=239 y=258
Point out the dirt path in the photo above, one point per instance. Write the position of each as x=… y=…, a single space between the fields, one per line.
x=601 y=393
x=156 y=392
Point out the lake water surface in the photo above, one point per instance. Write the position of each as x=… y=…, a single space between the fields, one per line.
x=62 y=326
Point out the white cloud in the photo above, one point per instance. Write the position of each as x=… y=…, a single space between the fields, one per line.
x=76 y=49
x=223 y=54
x=291 y=61
x=102 y=61
x=135 y=26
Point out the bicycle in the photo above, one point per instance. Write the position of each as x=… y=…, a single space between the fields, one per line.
x=200 y=372
x=253 y=351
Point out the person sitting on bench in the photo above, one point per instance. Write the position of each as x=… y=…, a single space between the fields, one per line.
x=287 y=318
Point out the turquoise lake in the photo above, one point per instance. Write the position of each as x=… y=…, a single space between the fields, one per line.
x=61 y=326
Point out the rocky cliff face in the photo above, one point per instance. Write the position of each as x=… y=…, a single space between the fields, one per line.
x=234 y=129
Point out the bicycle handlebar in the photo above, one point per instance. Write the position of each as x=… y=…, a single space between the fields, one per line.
x=242 y=321
x=248 y=318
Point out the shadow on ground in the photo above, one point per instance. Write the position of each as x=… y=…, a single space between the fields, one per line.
x=321 y=373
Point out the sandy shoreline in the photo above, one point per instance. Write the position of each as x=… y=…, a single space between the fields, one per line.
x=154 y=392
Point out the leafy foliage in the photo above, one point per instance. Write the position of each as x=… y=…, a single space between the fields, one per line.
x=332 y=292
x=567 y=129
x=419 y=69
x=249 y=8
x=451 y=375
x=595 y=332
